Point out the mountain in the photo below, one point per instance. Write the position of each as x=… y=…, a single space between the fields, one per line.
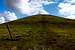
x=48 y=18
x=40 y=32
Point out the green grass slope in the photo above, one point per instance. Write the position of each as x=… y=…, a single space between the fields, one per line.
x=39 y=32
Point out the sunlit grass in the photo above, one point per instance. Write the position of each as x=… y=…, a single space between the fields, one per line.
x=38 y=32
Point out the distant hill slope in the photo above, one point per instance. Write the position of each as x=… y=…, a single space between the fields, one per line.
x=39 y=31
x=43 y=18
x=43 y=22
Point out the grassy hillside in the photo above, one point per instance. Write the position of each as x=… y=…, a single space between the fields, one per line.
x=39 y=32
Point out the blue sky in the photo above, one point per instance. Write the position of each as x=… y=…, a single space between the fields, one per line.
x=51 y=8
x=22 y=8
x=2 y=6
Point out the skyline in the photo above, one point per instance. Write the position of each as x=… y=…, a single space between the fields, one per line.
x=23 y=8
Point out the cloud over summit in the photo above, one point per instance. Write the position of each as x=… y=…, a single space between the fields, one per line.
x=30 y=8
x=67 y=9
x=7 y=16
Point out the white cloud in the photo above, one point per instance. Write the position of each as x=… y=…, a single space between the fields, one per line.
x=69 y=1
x=7 y=16
x=23 y=6
x=43 y=12
x=67 y=9
x=46 y=2
x=70 y=17
x=2 y=20
x=30 y=8
x=10 y=16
